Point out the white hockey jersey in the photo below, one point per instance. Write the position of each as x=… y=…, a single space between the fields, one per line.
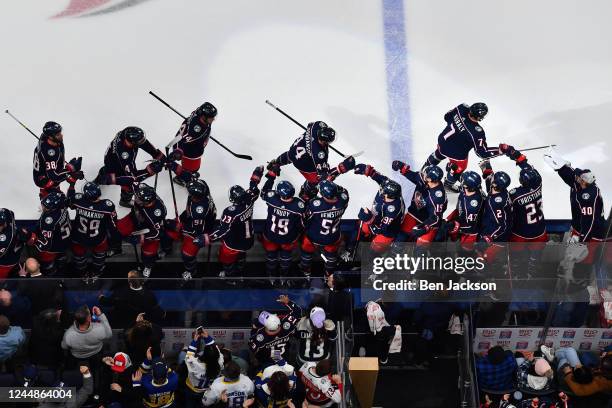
x=320 y=391
x=237 y=391
x=197 y=379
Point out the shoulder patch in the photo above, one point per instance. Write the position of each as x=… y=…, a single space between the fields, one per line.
x=474 y=203
x=197 y=128
x=51 y=152
x=286 y=325
x=259 y=337
x=498 y=199
x=478 y=128
x=270 y=194
x=586 y=196
x=78 y=196
x=321 y=155
x=316 y=203
x=199 y=209
x=2 y=237
x=344 y=196
x=301 y=204
x=391 y=208
x=109 y=203
x=48 y=220
x=438 y=193
x=125 y=155
x=157 y=212
x=513 y=191
x=231 y=208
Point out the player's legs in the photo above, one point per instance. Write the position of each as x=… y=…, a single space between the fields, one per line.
x=189 y=253
x=228 y=258
x=434 y=159
x=149 y=255
x=47 y=262
x=125 y=225
x=5 y=270
x=381 y=243
x=285 y=259
x=272 y=250
x=125 y=199
x=306 y=254
x=408 y=223
x=330 y=257
x=79 y=257
x=192 y=165
x=467 y=241
x=98 y=258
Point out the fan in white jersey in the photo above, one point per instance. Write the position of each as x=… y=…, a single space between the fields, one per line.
x=322 y=388
x=202 y=368
x=316 y=334
x=234 y=390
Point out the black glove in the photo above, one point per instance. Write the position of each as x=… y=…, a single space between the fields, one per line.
x=175 y=155
x=364 y=169
x=155 y=167
x=400 y=166
x=346 y=165
x=257 y=174
x=74 y=176
x=274 y=169
x=365 y=215
x=75 y=164
x=485 y=167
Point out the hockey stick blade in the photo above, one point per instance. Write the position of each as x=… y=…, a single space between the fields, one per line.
x=271 y=104
x=359 y=153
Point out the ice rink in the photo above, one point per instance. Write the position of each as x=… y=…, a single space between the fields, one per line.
x=381 y=72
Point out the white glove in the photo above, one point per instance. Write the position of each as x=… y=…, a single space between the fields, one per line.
x=554 y=160
x=574 y=239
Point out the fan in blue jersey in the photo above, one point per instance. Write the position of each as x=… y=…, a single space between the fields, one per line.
x=323 y=216
x=11 y=242
x=144 y=224
x=95 y=219
x=195 y=133
x=463 y=223
x=198 y=218
x=496 y=224
x=462 y=133
x=587 y=205
x=52 y=237
x=235 y=229
x=120 y=162
x=284 y=225
x=309 y=154
x=381 y=222
x=425 y=213
x=157 y=387
x=50 y=168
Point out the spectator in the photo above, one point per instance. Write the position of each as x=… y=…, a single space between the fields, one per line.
x=316 y=335
x=85 y=338
x=157 y=387
x=582 y=380
x=82 y=393
x=11 y=338
x=232 y=389
x=142 y=336
x=15 y=307
x=496 y=369
x=130 y=301
x=229 y=356
x=533 y=374
x=322 y=387
x=339 y=301
x=202 y=369
x=117 y=381
x=43 y=293
x=45 y=345
x=275 y=391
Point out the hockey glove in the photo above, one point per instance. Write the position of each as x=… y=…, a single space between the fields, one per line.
x=274 y=169
x=506 y=149
x=364 y=169
x=485 y=167
x=400 y=166
x=155 y=167
x=159 y=155
x=257 y=174
x=201 y=241
x=365 y=215
x=346 y=165
x=74 y=164
x=175 y=155
x=74 y=176
x=419 y=230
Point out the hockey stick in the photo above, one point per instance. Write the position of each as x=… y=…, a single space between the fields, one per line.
x=172 y=186
x=282 y=112
x=240 y=156
x=526 y=150
x=24 y=126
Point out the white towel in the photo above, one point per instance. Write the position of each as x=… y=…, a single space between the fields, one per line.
x=396 y=343
x=376 y=317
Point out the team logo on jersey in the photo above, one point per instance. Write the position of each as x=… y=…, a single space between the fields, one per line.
x=344 y=196
x=78 y=196
x=109 y=203
x=197 y=128
x=51 y=152
x=300 y=204
x=49 y=220
x=259 y=337
x=321 y=155
x=231 y=208
x=391 y=208
x=157 y=212
x=125 y=155
x=498 y=199
x=270 y=194
x=474 y=203
x=438 y=193
x=286 y=325
x=478 y=128
x=199 y=209
x=316 y=203
x=586 y=196
x=513 y=191
x=2 y=237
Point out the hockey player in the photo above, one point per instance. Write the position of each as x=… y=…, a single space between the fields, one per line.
x=202 y=367
x=95 y=219
x=232 y=389
x=496 y=225
x=11 y=242
x=194 y=133
x=381 y=223
x=50 y=169
x=144 y=223
x=284 y=225
x=426 y=210
x=235 y=229
x=588 y=218
x=461 y=134
x=323 y=216
x=464 y=222
x=316 y=335
x=120 y=162
x=309 y=154
x=322 y=388
x=52 y=237
x=271 y=332
x=157 y=387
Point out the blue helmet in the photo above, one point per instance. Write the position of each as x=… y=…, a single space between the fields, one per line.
x=5 y=216
x=471 y=180
x=285 y=189
x=501 y=180
x=91 y=191
x=237 y=194
x=530 y=178
x=197 y=188
x=51 y=129
x=206 y=110
x=134 y=135
x=145 y=193
x=479 y=110
x=321 y=132
x=54 y=200
x=433 y=173
x=328 y=190
x=391 y=189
